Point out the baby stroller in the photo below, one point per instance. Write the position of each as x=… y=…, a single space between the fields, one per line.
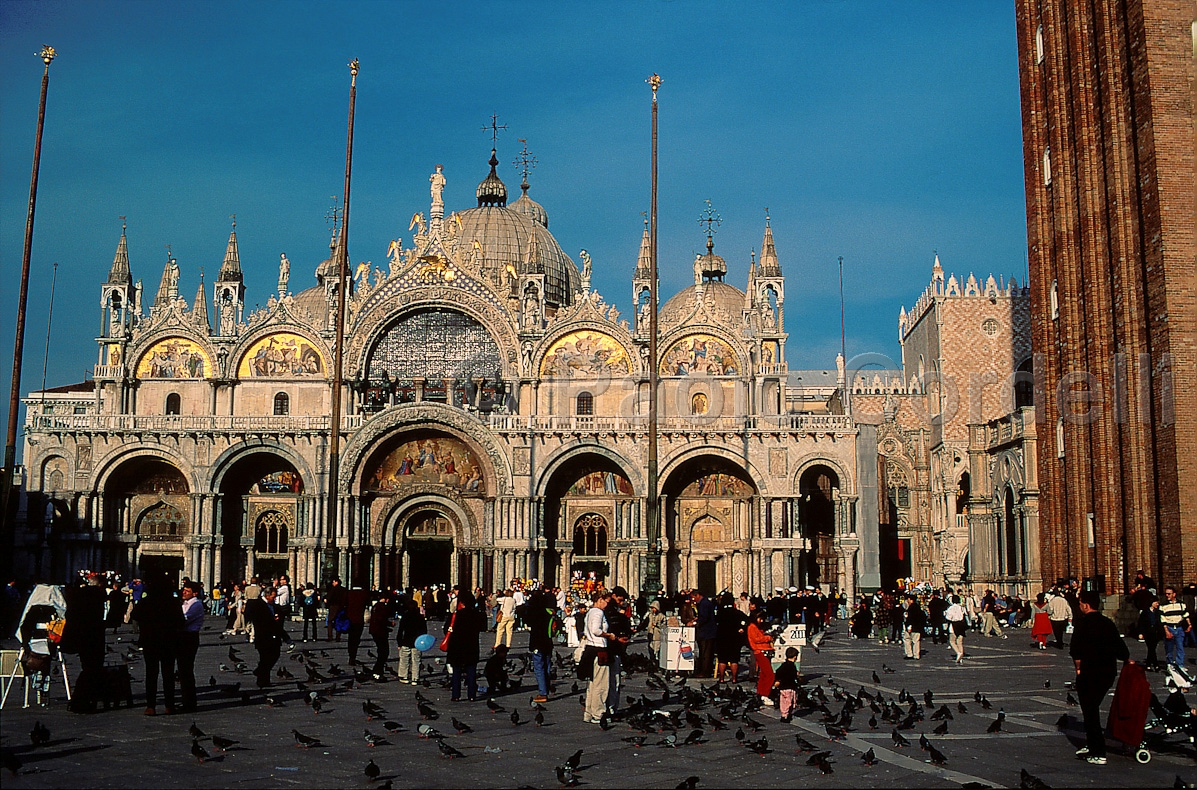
x=1170 y=717
x=39 y=630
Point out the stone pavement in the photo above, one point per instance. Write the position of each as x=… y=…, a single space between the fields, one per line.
x=123 y=748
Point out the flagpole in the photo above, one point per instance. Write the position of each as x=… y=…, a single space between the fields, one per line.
x=334 y=441
x=652 y=580
x=14 y=400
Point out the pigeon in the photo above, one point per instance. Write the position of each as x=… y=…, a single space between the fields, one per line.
x=211 y=680
x=372 y=710
x=233 y=654
x=372 y=771
x=539 y=718
x=199 y=752
x=635 y=740
x=669 y=740
x=869 y=757
x=689 y=783
x=976 y=696
x=223 y=744
x=271 y=702
x=604 y=722
x=574 y=688
x=835 y=733
x=304 y=741
x=899 y=739
x=942 y=729
x=872 y=722
x=427 y=711
x=196 y=732
x=803 y=744
x=461 y=727
x=814 y=758
x=985 y=703
x=928 y=698
x=427 y=731
x=39 y=735
x=515 y=718
x=752 y=723
x=876 y=679
x=495 y=707
x=317 y=705
x=565 y=775
x=574 y=760
x=694 y=737
x=448 y=751
x=937 y=757
x=824 y=764
x=740 y=734
x=392 y=726
x=888 y=670
x=1071 y=700
x=372 y=739
x=761 y=747
x=1062 y=722
x=995 y=726
x=924 y=744
x=960 y=708
x=1028 y=781
x=1047 y=684
x=715 y=723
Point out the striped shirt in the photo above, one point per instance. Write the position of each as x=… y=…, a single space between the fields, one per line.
x=1173 y=614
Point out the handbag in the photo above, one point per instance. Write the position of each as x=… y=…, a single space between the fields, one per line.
x=602 y=657
x=449 y=630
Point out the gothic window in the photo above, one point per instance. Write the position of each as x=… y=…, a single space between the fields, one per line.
x=161 y=522
x=270 y=533
x=437 y=345
x=1024 y=385
x=590 y=536
x=282 y=404
x=1047 y=167
x=903 y=497
x=172 y=403
x=585 y=404
x=1060 y=437
x=1055 y=300
x=1039 y=53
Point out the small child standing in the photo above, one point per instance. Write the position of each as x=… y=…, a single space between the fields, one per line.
x=785 y=680
x=495 y=671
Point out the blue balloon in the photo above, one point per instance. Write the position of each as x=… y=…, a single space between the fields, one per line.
x=424 y=642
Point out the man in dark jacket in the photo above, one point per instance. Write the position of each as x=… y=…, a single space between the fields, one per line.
x=268 y=632
x=935 y=609
x=83 y=634
x=704 y=633
x=1096 y=650
x=538 y=614
x=913 y=622
x=620 y=625
x=380 y=632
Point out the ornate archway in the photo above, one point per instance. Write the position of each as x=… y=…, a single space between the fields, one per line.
x=589 y=494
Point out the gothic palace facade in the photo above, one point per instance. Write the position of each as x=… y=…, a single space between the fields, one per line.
x=494 y=427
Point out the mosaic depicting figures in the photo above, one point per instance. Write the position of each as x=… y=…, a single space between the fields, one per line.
x=281 y=355
x=439 y=460
x=702 y=355
x=599 y=484
x=279 y=483
x=718 y=484
x=174 y=358
x=580 y=354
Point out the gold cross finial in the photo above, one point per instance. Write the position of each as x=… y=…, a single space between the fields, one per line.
x=123 y=223
x=710 y=217
x=494 y=128
x=654 y=81
x=47 y=54
x=234 y=218
x=525 y=161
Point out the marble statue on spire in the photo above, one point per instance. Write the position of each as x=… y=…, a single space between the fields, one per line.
x=284 y=273
x=437 y=181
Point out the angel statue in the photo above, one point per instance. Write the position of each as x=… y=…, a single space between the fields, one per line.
x=587 y=268
x=361 y=273
x=417 y=220
x=395 y=252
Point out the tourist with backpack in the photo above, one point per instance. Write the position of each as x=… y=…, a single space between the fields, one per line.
x=539 y=613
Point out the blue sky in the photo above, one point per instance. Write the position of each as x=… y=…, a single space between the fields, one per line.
x=878 y=131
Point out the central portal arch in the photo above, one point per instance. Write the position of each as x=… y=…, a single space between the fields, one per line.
x=422 y=545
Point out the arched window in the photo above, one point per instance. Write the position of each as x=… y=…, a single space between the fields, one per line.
x=1024 y=385
x=1047 y=166
x=590 y=536
x=282 y=404
x=585 y=404
x=270 y=534
x=1039 y=53
x=172 y=403
x=1054 y=296
x=699 y=403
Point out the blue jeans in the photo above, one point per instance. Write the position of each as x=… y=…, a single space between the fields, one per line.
x=1175 y=647
x=470 y=671
x=614 y=683
x=540 y=668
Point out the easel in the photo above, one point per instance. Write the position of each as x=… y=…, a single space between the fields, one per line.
x=54 y=656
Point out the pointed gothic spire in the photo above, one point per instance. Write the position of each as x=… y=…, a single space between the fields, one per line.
x=119 y=274
x=750 y=291
x=230 y=270
x=168 y=286
x=770 y=267
x=644 y=260
x=199 y=308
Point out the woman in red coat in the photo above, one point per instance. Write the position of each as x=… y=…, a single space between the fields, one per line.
x=1041 y=623
x=761 y=645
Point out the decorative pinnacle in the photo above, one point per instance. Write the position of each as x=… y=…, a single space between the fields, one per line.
x=494 y=128
x=47 y=54
x=710 y=217
x=123 y=223
x=645 y=215
x=353 y=67
x=525 y=161
x=654 y=81
x=766 y=216
x=233 y=217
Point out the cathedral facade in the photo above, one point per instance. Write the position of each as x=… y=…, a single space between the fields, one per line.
x=494 y=426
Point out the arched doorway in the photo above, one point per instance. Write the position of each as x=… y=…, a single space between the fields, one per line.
x=708 y=518
x=590 y=514
x=148 y=500
x=421 y=549
x=818 y=562
x=261 y=508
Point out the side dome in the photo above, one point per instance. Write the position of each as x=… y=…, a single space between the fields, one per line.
x=531 y=209
x=719 y=296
